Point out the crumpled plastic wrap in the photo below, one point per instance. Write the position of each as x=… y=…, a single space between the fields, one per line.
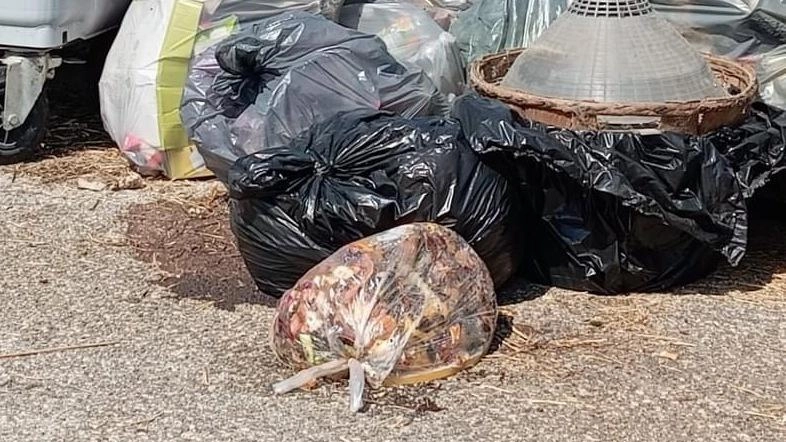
x=757 y=151
x=752 y=30
x=613 y=212
x=491 y=26
x=409 y=305
x=359 y=174
x=756 y=148
x=262 y=88
x=413 y=38
x=444 y=12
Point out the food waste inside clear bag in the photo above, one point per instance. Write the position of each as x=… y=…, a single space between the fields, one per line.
x=409 y=305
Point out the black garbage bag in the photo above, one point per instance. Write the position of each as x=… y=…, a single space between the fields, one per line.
x=612 y=213
x=358 y=174
x=270 y=82
x=757 y=152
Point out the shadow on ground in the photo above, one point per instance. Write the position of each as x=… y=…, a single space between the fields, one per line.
x=74 y=111
x=764 y=258
x=197 y=250
x=519 y=290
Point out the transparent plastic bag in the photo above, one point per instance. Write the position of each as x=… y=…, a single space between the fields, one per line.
x=442 y=15
x=409 y=305
x=413 y=38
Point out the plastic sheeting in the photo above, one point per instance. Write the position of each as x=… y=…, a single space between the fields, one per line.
x=732 y=27
x=443 y=12
x=749 y=29
x=409 y=305
x=491 y=26
x=413 y=38
x=144 y=73
x=610 y=212
x=358 y=174
x=263 y=88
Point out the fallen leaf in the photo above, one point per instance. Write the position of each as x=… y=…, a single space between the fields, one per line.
x=665 y=354
x=131 y=181
x=85 y=184
x=596 y=322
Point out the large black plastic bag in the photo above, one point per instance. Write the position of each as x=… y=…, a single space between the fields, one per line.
x=264 y=86
x=613 y=213
x=362 y=173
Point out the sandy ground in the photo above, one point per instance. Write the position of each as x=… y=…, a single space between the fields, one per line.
x=705 y=363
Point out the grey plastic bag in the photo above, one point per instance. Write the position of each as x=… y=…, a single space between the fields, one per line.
x=265 y=86
x=491 y=26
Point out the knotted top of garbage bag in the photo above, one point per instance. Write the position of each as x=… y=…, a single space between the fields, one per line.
x=273 y=172
x=365 y=166
x=357 y=174
x=252 y=60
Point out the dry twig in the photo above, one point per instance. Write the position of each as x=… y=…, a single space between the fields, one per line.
x=56 y=349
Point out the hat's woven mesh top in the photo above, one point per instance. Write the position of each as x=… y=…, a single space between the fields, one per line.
x=610 y=8
x=613 y=51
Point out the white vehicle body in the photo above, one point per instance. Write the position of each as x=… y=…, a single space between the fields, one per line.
x=50 y=24
x=32 y=35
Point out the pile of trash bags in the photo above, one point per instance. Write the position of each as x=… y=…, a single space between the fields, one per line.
x=324 y=138
x=602 y=212
x=405 y=306
x=143 y=81
x=384 y=203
